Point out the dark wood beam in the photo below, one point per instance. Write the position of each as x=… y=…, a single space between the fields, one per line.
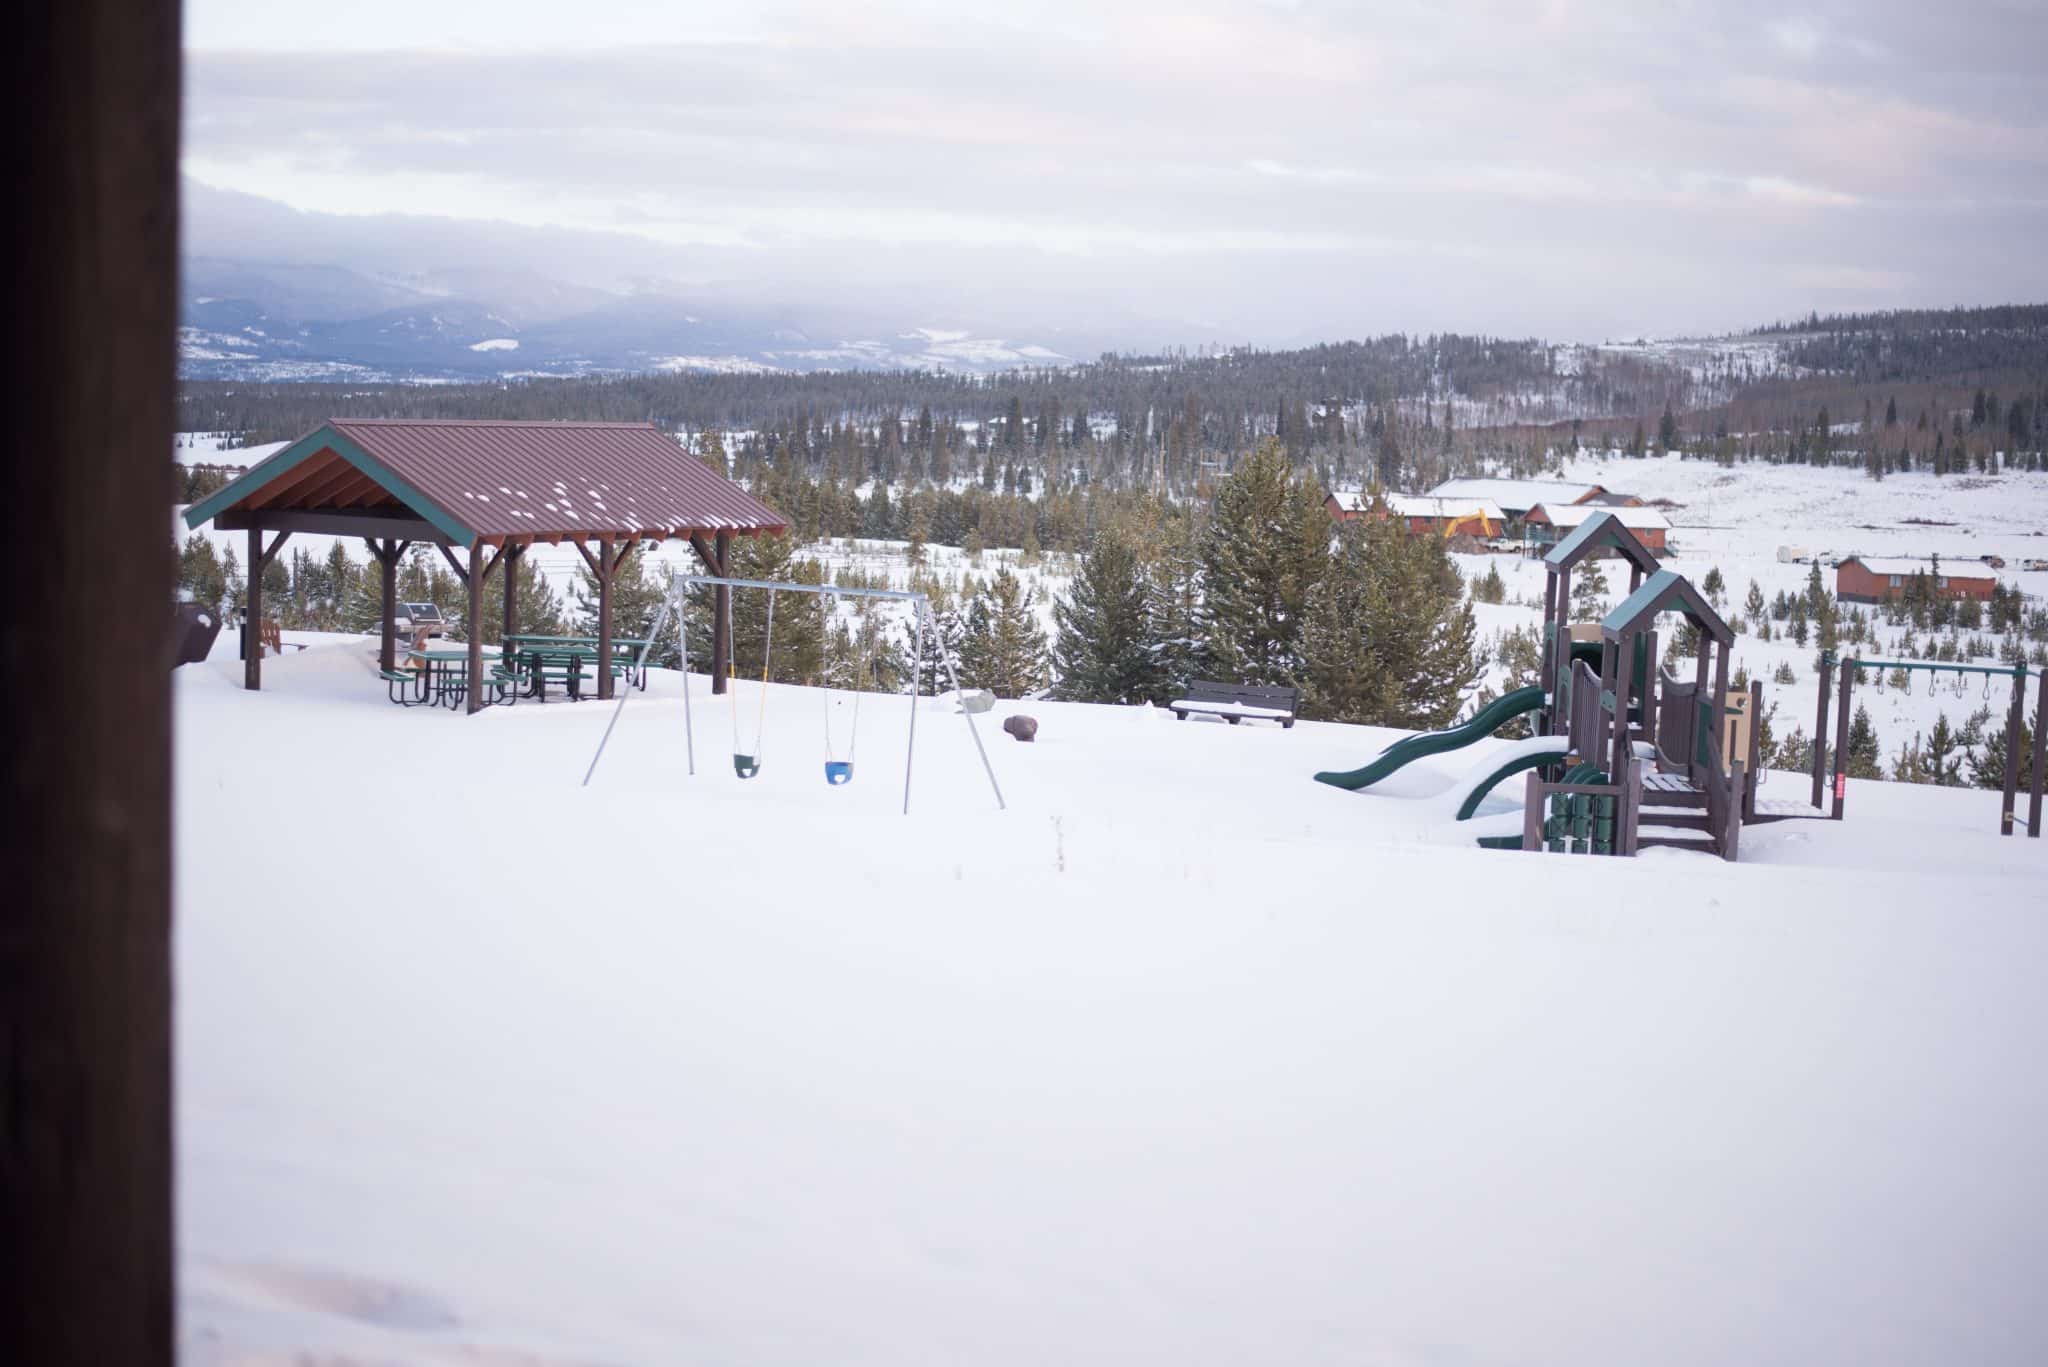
x=331 y=522
x=85 y=964
x=721 y=623
x=588 y=559
x=252 y=615
x=473 y=627
x=270 y=551
x=624 y=551
x=513 y=553
x=461 y=570
x=606 y=566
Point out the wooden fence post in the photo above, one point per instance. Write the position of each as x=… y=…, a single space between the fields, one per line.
x=2039 y=780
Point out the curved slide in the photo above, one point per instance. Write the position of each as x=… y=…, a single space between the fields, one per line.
x=1490 y=718
x=1463 y=797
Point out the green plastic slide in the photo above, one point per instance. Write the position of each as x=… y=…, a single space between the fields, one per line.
x=1491 y=717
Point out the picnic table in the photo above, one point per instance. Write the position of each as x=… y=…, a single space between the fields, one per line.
x=445 y=674
x=542 y=659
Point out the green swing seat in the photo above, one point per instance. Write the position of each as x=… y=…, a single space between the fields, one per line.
x=746 y=766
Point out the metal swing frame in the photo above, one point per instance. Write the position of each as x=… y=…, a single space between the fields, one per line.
x=673 y=605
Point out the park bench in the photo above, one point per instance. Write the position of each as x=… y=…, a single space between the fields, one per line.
x=1235 y=702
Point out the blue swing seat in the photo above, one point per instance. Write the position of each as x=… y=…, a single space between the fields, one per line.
x=838 y=771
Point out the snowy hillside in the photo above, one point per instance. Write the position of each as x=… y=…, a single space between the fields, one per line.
x=1183 y=1058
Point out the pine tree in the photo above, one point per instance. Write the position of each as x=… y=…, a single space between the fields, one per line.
x=1104 y=650
x=1003 y=648
x=1174 y=614
x=1865 y=759
x=1589 y=592
x=1944 y=759
x=1754 y=607
x=1714 y=586
x=944 y=634
x=1389 y=638
x=1267 y=545
x=1490 y=587
x=637 y=595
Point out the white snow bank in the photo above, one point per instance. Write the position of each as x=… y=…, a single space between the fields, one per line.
x=1184 y=1058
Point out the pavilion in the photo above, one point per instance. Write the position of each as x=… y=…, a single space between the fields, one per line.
x=491 y=490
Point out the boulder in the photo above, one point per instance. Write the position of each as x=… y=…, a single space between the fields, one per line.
x=1022 y=727
x=977 y=700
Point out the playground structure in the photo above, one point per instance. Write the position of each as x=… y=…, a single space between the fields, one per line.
x=1621 y=744
x=748 y=763
x=1851 y=667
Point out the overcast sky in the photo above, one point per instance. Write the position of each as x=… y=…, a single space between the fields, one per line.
x=1239 y=170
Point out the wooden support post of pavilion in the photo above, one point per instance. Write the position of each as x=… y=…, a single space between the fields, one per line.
x=718 y=559
x=252 y=635
x=514 y=551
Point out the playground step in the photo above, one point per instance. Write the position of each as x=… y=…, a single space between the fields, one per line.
x=1684 y=821
x=1676 y=842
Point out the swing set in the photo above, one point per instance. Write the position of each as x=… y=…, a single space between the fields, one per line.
x=2015 y=718
x=747 y=763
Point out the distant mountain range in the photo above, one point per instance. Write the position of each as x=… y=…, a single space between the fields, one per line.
x=261 y=320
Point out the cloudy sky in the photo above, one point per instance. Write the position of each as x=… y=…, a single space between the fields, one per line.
x=1258 y=170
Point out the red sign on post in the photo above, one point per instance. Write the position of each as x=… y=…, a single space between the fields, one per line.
x=1841 y=786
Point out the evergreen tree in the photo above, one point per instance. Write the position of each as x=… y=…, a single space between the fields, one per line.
x=1714 y=586
x=202 y=574
x=1389 y=638
x=1589 y=591
x=1944 y=758
x=1003 y=648
x=1267 y=545
x=1174 y=614
x=945 y=632
x=1865 y=759
x=1754 y=607
x=1104 y=650
x=637 y=594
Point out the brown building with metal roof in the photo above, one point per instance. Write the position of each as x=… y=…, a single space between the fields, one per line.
x=492 y=489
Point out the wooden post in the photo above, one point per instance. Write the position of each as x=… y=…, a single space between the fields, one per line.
x=604 y=617
x=252 y=615
x=2015 y=718
x=1820 y=731
x=387 y=564
x=1753 y=754
x=85 y=953
x=2038 y=781
x=473 y=627
x=510 y=556
x=1624 y=655
x=721 y=624
x=1546 y=720
x=252 y=644
x=1848 y=669
x=1719 y=714
x=1532 y=812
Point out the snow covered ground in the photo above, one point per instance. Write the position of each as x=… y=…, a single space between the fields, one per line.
x=1182 y=1059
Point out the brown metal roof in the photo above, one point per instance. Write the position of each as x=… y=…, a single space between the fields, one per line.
x=573 y=478
x=546 y=481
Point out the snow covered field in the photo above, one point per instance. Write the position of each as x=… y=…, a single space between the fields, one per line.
x=1182 y=1059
